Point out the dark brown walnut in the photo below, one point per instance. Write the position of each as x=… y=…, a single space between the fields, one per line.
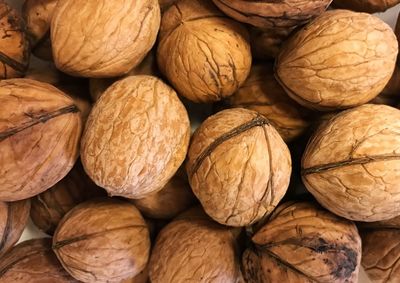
x=262 y=93
x=304 y=243
x=272 y=14
x=102 y=240
x=368 y=6
x=40 y=129
x=351 y=164
x=104 y=38
x=205 y=55
x=340 y=60
x=33 y=261
x=266 y=44
x=136 y=137
x=244 y=142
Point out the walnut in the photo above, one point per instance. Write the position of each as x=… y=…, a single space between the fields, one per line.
x=266 y=44
x=103 y=38
x=204 y=55
x=304 y=243
x=102 y=240
x=368 y=6
x=325 y=65
x=40 y=129
x=351 y=164
x=262 y=93
x=241 y=141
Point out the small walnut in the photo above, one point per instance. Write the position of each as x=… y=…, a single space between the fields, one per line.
x=204 y=55
x=40 y=129
x=340 y=60
x=351 y=164
x=304 y=243
x=244 y=142
x=266 y=44
x=103 y=38
x=368 y=6
x=102 y=240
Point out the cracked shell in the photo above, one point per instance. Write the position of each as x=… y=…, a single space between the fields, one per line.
x=324 y=66
x=368 y=6
x=205 y=55
x=103 y=38
x=136 y=137
x=238 y=166
x=40 y=129
x=304 y=243
x=351 y=164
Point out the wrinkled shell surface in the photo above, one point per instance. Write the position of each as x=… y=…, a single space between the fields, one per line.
x=102 y=241
x=136 y=137
x=243 y=142
x=204 y=55
x=40 y=128
x=342 y=59
x=103 y=38
x=266 y=44
x=304 y=243
x=351 y=164
x=368 y=6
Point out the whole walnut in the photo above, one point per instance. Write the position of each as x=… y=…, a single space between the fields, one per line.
x=266 y=44
x=368 y=6
x=103 y=38
x=102 y=240
x=351 y=164
x=303 y=243
x=340 y=60
x=204 y=55
x=244 y=142
x=273 y=14
x=136 y=137
x=40 y=129
x=262 y=93
x=33 y=261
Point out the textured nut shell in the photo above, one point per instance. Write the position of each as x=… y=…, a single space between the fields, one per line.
x=342 y=59
x=142 y=277
x=241 y=141
x=266 y=44
x=136 y=137
x=351 y=164
x=40 y=128
x=165 y=4
x=33 y=261
x=369 y=6
x=204 y=55
x=103 y=38
x=102 y=241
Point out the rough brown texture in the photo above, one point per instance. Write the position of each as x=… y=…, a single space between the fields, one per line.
x=103 y=38
x=136 y=137
x=273 y=14
x=351 y=164
x=304 y=243
x=103 y=240
x=40 y=129
x=244 y=142
x=33 y=261
x=262 y=93
x=266 y=44
x=204 y=55
x=340 y=60
x=368 y=6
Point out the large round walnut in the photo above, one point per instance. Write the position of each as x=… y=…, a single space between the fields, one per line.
x=103 y=38
x=302 y=242
x=40 y=129
x=204 y=55
x=352 y=163
x=368 y=6
x=136 y=137
x=238 y=166
x=340 y=60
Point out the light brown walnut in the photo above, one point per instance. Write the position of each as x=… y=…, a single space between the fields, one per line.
x=368 y=6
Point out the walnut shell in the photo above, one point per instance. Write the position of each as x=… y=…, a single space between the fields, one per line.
x=266 y=44
x=103 y=240
x=33 y=261
x=325 y=65
x=165 y=4
x=351 y=164
x=273 y=14
x=304 y=243
x=136 y=137
x=142 y=277
x=241 y=141
x=204 y=55
x=262 y=93
x=103 y=38
x=368 y=6
x=40 y=129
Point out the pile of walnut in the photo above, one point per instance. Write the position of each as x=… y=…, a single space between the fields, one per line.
x=298 y=135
